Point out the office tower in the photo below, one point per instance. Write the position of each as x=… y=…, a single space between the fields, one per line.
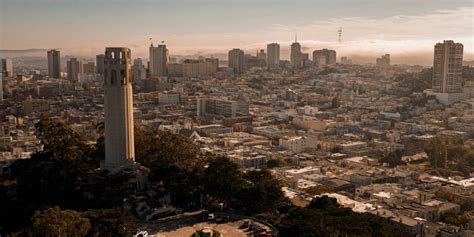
x=447 y=67
x=273 y=54
x=237 y=60
x=324 y=57
x=298 y=59
x=138 y=62
x=212 y=65
x=295 y=54
x=175 y=70
x=138 y=69
x=345 y=60
x=6 y=67
x=254 y=61
x=54 y=64
x=261 y=55
x=118 y=105
x=383 y=61
x=88 y=68
x=202 y=67
x=74 y=68
x=159 y=61
x=99 y=61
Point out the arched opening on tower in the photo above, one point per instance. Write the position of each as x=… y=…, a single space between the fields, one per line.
x=122 y=77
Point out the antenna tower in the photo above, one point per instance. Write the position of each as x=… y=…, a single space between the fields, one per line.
x=339 y=33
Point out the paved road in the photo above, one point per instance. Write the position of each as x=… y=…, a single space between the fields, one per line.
x=188 y=223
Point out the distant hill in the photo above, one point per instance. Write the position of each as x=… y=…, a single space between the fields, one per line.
x=15 y=53
x=468 y=63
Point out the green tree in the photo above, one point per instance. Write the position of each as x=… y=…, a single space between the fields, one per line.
x=437 y=153
x=318 y=190
x=223 y=180
x=185 y=187
x=272 y=163
x=67 y=176
x=57 y=222
x=260 y=193
x=160 y=150
x=393 y=158
x=325 y=217
x=455 y=151
x=59 y=140
x=111 y=222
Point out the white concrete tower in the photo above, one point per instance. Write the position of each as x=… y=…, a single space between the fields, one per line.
x=119 y=140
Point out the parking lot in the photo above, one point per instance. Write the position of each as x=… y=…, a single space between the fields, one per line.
x=229 y=229
x=187 y=223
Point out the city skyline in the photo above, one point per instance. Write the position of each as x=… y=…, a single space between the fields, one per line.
x=214 y=27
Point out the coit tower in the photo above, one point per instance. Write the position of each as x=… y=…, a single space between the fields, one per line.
x=119 y=142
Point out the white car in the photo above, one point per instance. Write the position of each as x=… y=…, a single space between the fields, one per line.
x=142 y=234
x=210 y=216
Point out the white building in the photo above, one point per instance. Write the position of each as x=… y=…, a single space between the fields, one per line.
x=297 y=144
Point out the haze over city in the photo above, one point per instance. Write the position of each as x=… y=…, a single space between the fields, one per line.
x=403 y=28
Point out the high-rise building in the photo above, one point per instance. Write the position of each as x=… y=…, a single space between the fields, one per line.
x=6 y=67
x=74 y=68
x=138 y=69
x=237 y=60
x=295 y=54
x=447 y=67
x=383 y=61
x=54 y=64
x=88 y=68
x=345 y=60
x=261 y=55
x=159 y=60
x=175 y=70
x=99 y=62
x=118 y=104
x=298 y=59
x=253 y=61
x=202 y=67
x=324 y=57
x=273 y=54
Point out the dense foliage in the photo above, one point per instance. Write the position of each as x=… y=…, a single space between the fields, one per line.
x=324 y=217
x=67 y=174
x=393 y=158
x=451 y=155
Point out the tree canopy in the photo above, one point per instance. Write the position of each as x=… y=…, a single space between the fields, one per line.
x=57 y=222
x=325 y=217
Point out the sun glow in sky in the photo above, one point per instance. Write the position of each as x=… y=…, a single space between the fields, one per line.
x=407 y=29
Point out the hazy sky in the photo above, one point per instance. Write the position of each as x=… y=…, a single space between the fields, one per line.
x=404 y=28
